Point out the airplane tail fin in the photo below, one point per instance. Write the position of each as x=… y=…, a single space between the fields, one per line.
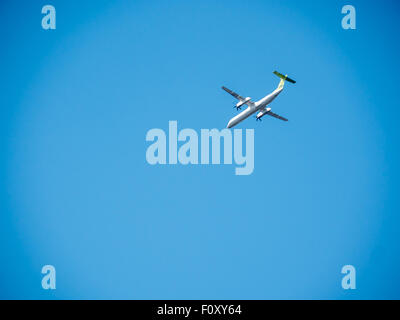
x=283 y=79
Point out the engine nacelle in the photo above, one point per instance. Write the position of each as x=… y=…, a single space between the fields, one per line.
x=242 y=103
x=263 y=113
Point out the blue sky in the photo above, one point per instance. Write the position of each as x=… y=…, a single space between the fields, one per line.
x=76 y=191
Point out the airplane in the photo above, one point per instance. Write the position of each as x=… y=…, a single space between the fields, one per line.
x=260 y=105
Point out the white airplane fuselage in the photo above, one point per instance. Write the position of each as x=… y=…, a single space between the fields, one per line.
x=254 y=108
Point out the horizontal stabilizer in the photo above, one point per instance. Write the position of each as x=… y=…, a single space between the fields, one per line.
x=285 y=78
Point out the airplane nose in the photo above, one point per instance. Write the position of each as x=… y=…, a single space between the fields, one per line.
x=229 y=125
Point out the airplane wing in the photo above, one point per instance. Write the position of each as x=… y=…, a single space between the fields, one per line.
x=276 y=116
x=233 y=94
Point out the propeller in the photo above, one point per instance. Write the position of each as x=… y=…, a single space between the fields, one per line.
x=237 y=108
